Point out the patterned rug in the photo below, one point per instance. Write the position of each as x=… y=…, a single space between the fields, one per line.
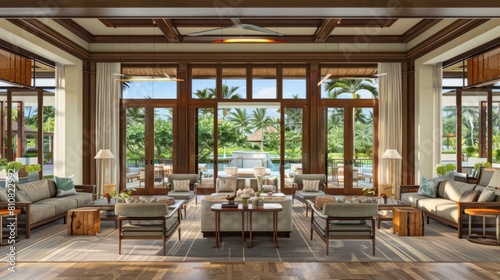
x=440 y=244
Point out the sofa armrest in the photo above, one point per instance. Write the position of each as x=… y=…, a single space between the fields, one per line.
x=465 y=205
x=87 y=188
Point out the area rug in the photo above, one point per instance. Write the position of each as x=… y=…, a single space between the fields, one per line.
x=51 y=243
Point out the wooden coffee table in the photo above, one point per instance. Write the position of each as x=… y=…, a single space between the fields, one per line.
x=386 y=209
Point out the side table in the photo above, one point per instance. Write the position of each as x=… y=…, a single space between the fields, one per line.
x=11 y=218
x=84 y=221
x=484 y=239
x=408 y=221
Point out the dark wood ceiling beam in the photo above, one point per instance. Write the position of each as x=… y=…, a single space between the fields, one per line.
x=418 y=29
x=445 y=35
x=326 y=28
x=74 y=27
x=53 y=37
x=130 y=39
x=254 y=57
x=167 y=29
x=118 y=23
x=107 y=22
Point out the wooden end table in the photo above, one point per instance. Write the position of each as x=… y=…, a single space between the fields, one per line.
x=408 y=221
x=388 y=206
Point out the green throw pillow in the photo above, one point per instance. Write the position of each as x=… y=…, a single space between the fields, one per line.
x=428 y=187
x=65 y=186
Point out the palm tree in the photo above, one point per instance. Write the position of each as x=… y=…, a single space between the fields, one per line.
x=205 y=93
x=352 y=86
x=259 y=120
x=227 y=93
x=240 y=118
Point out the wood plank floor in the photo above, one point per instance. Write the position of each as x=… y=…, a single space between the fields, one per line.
x=272 y=270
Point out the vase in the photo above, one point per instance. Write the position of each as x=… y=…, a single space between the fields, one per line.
x=244 y=201
x=385 y=200
x=33 y=176
x=109 y=200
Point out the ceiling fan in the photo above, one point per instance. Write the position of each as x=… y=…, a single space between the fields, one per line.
x=167 y=78
x=236 y=24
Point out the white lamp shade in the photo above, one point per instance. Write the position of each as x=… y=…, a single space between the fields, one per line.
x=391 y=154
x=104 y=154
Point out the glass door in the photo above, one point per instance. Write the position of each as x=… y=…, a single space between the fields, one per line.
x=350 y=144
x=205 y=149
x=475 y=129
x=148 y=148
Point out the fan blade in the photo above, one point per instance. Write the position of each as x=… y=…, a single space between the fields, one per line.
x=214 y=31
x=258 y=29
x=236 y=21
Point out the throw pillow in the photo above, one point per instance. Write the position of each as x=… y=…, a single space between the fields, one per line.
x=167 y=200
x=487 y=195
x=181 y=185
x=65 y=186
x=322 y=200
x=310 y=185
x=427 y=188
x=22 y=196
x=469 y=196
x=267 y=188
x=227 y=184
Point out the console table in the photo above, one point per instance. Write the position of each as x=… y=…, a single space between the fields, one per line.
x=273 y=208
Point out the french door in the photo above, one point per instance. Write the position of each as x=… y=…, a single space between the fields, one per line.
x=350 y=145
x=147 y=147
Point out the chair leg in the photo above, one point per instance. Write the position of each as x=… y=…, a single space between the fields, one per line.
x=307 y=209
x=185 y=211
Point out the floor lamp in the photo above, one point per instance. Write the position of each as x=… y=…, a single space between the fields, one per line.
x=392 y=155
x=103 y=155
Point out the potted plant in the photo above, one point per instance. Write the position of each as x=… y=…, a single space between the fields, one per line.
x=33 y=170
x=443 y=169
x=13 y=167
x=3 y=163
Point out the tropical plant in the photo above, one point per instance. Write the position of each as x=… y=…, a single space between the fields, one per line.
x=334 y=88
x=481 y=164
x=33 y=168
x=14 y=165
x=260 y=120
x=3 y=162
x=443 y=169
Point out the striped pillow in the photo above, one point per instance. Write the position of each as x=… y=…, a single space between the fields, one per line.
x=181 y=185
x=310 y=185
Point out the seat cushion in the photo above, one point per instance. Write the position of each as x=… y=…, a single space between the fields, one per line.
x=61 y=204
x=39 y=211
x=308 y=195
x=81 y=198
x=181 y=195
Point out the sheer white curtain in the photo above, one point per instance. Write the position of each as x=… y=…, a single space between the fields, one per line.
x=390 y=119
x=59 y=123
x=437 y=85
x=108 y=119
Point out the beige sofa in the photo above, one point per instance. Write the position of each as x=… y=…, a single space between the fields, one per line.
x=446 y=207
x=262 y=222
x=40 y=205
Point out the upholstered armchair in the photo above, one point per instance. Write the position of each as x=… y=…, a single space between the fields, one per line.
x=183 y=186
x=147 y=221
x=308 y=187
x=344 y=221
